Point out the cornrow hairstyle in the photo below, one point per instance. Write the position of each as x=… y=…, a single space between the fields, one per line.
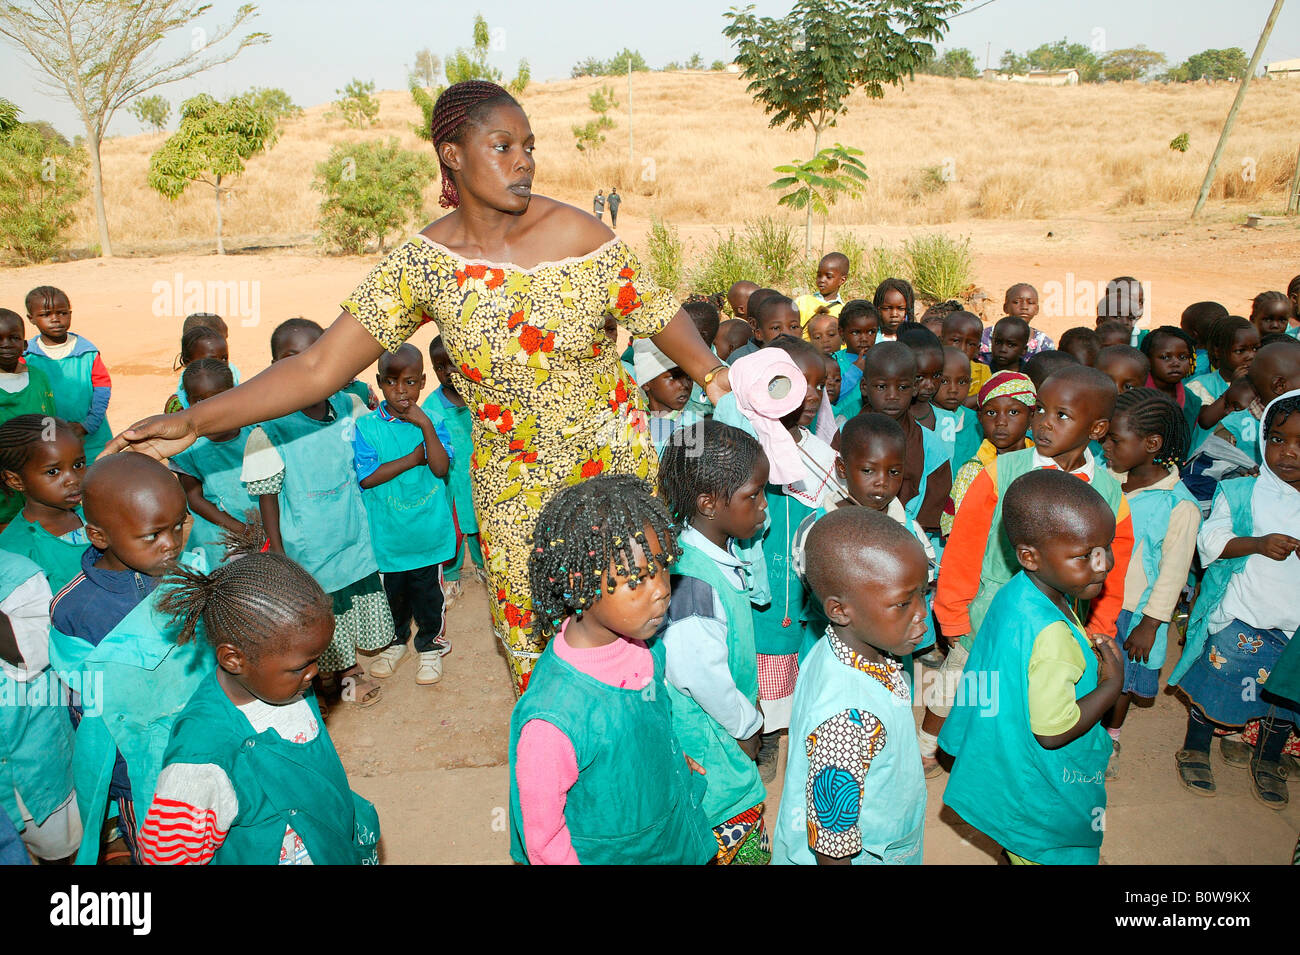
x=1150 y=411
x=254 y=602
x=706 y=458
x=1148 y=344
x=1201 y=316
x=20 y=434
x=1084 y=338
x=585 y=530
x=706 y=317
x=1282 y=409
x=460 y=105
x=45 y=294
x=1044 y=504
x=191 y=339
x=1266 y=300
x=1047 y=363
x=904 y=288
x=204 y=320
x=291 y=325
x=1219 y=336
x=214 y=369
x=856 y=308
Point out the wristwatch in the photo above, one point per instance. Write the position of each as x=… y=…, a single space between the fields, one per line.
x=714 y=374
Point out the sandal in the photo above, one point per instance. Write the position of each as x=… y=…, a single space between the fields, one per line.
x=1194 y=772
x=1112 y=767
x=359 y=688
x=1235 y=752
x=931 y=767
x=1269 y=784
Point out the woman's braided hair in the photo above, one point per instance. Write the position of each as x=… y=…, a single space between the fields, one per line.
x=583 y=531
x=20 y=434
x=706 y=458
x=1150 y=411
x=460 y=104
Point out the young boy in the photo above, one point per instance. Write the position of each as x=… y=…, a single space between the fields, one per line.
x=1021 y=302
x=733 y=334
x=853 y=748
x=1111 y=332
x=1047 y=363
x=738 y=298
x=76 y=372
x=1124 y=301
x=23 y=390
x=859 y=322
x=824 y=332
x=667 y=389
x=832 y=273
x=401 y=463
x=1009 y=344
x=1083 y=344
x=954 y=386
x=1124 y=365
x=1030 y=772
x=445 y=404
x=107 y=630
x=754 y=305
x=964 y=330
x=1074 y=408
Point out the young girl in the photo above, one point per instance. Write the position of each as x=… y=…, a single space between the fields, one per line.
x=209 y=469
x=833 y=386
x=80 y=381
x=597 y=775
x=23 y=390
x=1247 y=613
x=250 y=776
x=1231 y=343
x=1171 y=352
x=895 y=303
x=300 y=469
x=1270 y=313
x=713 y=483
x=1145 y=446
x=859 y=324
x=42 y=463
x=201 y=341
x=954 y=387
x=1006 y=409
x=824 y=332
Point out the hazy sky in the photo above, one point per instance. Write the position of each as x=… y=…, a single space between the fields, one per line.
x=316 y=47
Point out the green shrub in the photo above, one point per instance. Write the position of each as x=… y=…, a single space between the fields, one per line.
x=879 y=264
x=664 y=255
x=939 y=267
x=1180 y=143
x=723 y=263
x=41 y=181
x=772 y=245
x=371 y=190
x=355 y=104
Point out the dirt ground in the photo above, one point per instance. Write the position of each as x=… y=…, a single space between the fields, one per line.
x=433 y=759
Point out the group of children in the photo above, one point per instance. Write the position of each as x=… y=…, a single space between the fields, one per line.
x=161 y=627
x=887 y=513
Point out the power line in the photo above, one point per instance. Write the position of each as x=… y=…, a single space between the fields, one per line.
x=971 y=10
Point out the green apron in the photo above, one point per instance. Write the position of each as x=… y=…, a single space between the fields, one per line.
x=60 y=559
x=69 y=379
x=1151 y=509
x=36 y=398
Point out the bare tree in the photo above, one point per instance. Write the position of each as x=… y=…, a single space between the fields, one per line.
x=102 y=53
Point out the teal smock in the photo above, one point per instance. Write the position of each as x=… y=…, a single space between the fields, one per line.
x=147 y=679
x=891 y=815
x=850 y=402
x=969 y=437
x=410 y=515
x=277 y=784
x=734 y=784
x=35 y=731
x=1149 y=510
x=217 y=465
x=36 y=398
x=778 y=626
x=459 y=421
x=1046 y=805
x=70 y=381
x=323 y=522
x=58 y=557
x=1242 y=425
x=635 y=800
x=937 y=455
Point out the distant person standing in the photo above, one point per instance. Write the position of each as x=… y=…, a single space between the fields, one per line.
x=598 y=205
x=614 y=200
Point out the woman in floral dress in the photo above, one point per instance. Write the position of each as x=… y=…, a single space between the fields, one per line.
x=519 y=286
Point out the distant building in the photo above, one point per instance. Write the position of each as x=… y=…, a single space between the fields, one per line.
x=1036 y=77
x=1283 y=70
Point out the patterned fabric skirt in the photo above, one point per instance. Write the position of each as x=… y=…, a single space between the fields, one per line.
x=1230 y=680
x=744 y=839
x=362 y=621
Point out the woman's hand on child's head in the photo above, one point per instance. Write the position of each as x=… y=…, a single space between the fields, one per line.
x=694 y=766
x=1276 y=546
x=1141 y=639
x=1111 y=662
x=159 y=436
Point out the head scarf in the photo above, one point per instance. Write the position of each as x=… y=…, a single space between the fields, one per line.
x=648 y=362
x=768 y=385
x=1008 y=384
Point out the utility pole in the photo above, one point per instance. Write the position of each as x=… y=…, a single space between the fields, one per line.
x=1236 y=105
x=629 y=110
x=988 y=51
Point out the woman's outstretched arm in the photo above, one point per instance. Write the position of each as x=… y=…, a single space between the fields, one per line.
x=336 y=358
x=680 y=340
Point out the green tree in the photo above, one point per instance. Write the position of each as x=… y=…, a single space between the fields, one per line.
x=696 y=62
x=101 y=54
x=274 y=102
x=1064 y=55
x=1130 y=64
x=617 y=66
x=958 y=63
x=816 y=184
x=1226 y=64
x=718 y=66
x=41 y=182
x=370 y=190
x=355 y=104
x=427 y=69
x=153 y=111
x=591 y=134
x=211 y=145
x=466 y=63
x=471 y=63
x=1013 y=63
x=589 y=66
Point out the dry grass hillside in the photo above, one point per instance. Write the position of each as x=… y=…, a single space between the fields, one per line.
x=704 y=154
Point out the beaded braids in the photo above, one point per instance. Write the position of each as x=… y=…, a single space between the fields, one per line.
x=706 y=458
x=585 y=530
x=191 y=339
x=459 y=105
x=1150 y=411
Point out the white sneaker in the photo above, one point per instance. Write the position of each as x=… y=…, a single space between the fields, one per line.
x=387 y=662
x=430 y=671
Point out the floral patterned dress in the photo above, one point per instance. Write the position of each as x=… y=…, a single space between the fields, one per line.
x=551 y=404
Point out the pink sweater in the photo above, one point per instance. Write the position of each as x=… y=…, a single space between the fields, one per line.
x=545 y=764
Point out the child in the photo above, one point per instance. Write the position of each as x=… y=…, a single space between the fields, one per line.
x=300 y=467
x=1030 y=771
x=1275 y=371
x=954 y=386
x=834 y=385
x=1124 y=302
x=23 y=390
x=209 y=470
x=1047 y=363
x=1008 y=344
x=1293 y=293
x=854 y=790
x=105 y=629
x=1231 y=343
x=732 y=334
x=1021 y=302
x=1145 y=446
x=712 y=478
x=964 y=330
x=1169 y=349
x=928 y=353
x=401 y=461
x=754 y=304
x=201 y=341
x=667 y=389
x=1111 y=333
x=1124 y=365
x=895 y=304
x=859 y=323
x=832 y=273
x=1006 y=408
x=42 y=463
x=80 y=382
x=297 y=333
x=824 y=332
x=774 y=316
x=597 y=775
x=707 y=319
x=1074 y=408
x=35 y=734
x=250 y=775
x=1083 y=344
x=738 y=298
x=1270 y=313
x=445 y=404
x=1196 y=320
x=1247 y=613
